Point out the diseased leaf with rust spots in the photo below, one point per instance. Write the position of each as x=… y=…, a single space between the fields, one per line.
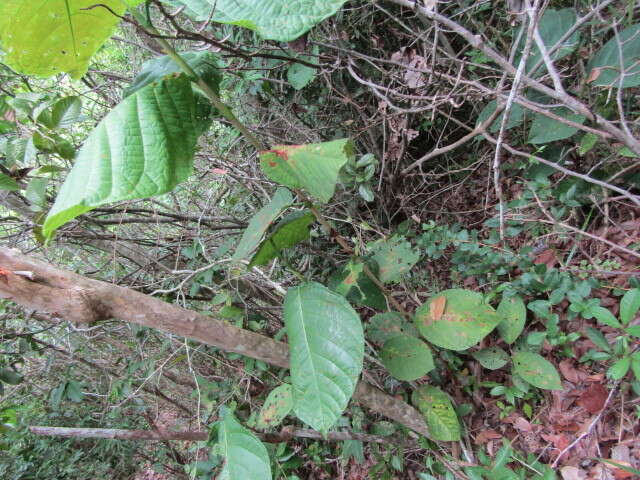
x=277 y=406
x=439 y=413
x=513 y=312
x=466 y=319
x=395 y=258
x=436 y=307
x=407 y=358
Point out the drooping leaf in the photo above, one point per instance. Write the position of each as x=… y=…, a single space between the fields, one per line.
x=467 y=319
x=545 y=130
x=278 y=404
x=605 y=317
x=604 y=67
x=439 y=413
x=54 y=36
x=356 y=286
x=143 y=147
x=629 y=305
x=407 y=358
x=513 y=312
x=8 y=183
x=260 y=222
x=10 y=377
x=64 y=113
x=491 y=358
x=244 y=455
x=36 y=193
x=552 y=26
x=536 y=370
x=281 y=20
x=205 y=64
x=384 y=326
x=314 y=167
x=292 y=229
x=21 y=151
x=326 y=345
x=395 y=257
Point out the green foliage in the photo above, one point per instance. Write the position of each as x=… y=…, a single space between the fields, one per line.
x=465 y=321
x=46 y=38
x=536 y=370
x=356 y=286
x=384 y=326
x=395 y=257
x=326 y=345
x=605 y=64
x=491 y=358
x=299 y=75
x=629 y=305
x=439 y=413
x=260 y=222
x=8 y=183
x=291 y=230
x=143 y=147
x=245 y=456
x=546 y=130
x=514 y=315
x=280 y=20
x=406 y=358
x=277 y=405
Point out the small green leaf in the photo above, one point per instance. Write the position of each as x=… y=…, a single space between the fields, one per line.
x=352 y=283
x=466 y=320
x=598 y=339
x=65 y=112
x=384 y=326
x=143 y=147
x=439 y=413
x=536 y=370
x=629 y=305
x=8 y=183
x=245 y=457
x=260 y=222
x=73 y=391
x=10 y=377
x=634 y=331
x=513 y=312
x=299 y=75
x=604 y=316
x=36 y=193
x=491 y=358
x=46 y=38
x=605 y=64
x=314 y=167
x=407 y=358
x=395 y=257
x=277 y=406
x=619 y=369
x=291 y=230
x=516 y=116
x=326 y=346
x=587 y=142
x=546 y=130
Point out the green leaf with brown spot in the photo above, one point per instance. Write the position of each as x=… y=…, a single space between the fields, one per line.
x=466 y=320
x=384 y=326
x=277 y=406
x=313 y=167
x=536 y=370
x=407 y=358
x=439 y=413
x=513 y=312
x=395 y=257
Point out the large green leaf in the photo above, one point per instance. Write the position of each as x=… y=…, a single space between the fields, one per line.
x=439 y=413
x=356 y=286
x=513 y=312
x=314 y=167
x=536 y=370
x=629 y=305
x=465 y=321
x=245 y=457
x=292 y=229
x=552 y=27
x=407 y=358
x=260 y=223
x=44 y=38
x=205 y=64
x=282 y=20
x=605 y=64
x=143 y=147
x=278 y=404
x=545 y=130
x=326 y=345
x=8 y=183
x=395 y=257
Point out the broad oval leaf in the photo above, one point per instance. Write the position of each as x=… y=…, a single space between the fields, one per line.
x=281 y=20
x=395 y=257
x=384 y=326
x=629 y=305
x=143 y=147
x=619 y=369
x=439 y=413
x=292 y=229
x=536 y=370
x=260 y=223
x=604 y=67
x=326 y=345
x=513 y=312
x=314 y=167
x=245 y=457
x=46 y=38
x=491 y=358
x=407 y=358
x=466 y=320
x=278 y=404
x=205 y=64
